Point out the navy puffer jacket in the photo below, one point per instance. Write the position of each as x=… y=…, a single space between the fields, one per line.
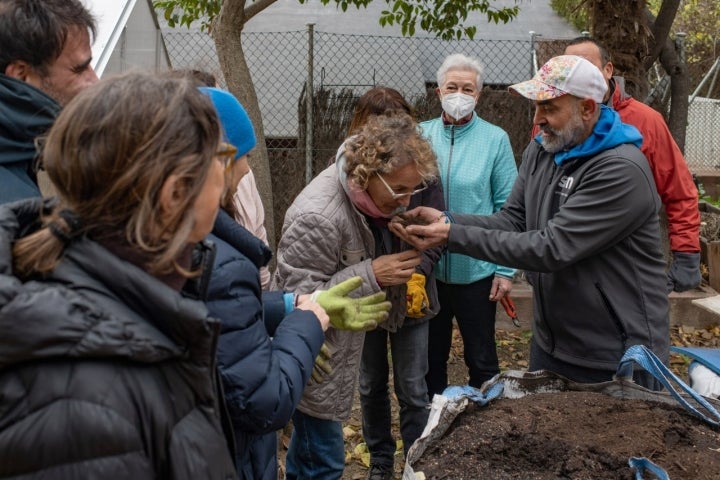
x=265 y=358
x=105 y=372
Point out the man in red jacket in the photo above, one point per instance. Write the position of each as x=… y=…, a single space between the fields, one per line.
x=673 y=179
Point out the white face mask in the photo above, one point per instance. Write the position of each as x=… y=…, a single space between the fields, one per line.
x=458 y=105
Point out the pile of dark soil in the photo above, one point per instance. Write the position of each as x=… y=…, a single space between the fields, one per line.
x=572 y=435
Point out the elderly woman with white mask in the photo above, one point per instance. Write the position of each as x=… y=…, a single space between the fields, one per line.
x=477 y=170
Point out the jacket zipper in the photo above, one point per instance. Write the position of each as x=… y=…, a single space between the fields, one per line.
x=447 y=192
x=538 y=287
x=222 y=413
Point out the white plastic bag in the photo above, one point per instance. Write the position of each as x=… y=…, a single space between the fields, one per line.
x=703 y=380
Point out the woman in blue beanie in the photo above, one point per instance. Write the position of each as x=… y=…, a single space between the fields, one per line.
x=264 y=361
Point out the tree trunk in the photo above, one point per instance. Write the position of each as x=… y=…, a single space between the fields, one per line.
x=660 y=28
x=679 y=91
x=620 y=26
x=226 y=33
x=664 y=50
x=636 y=40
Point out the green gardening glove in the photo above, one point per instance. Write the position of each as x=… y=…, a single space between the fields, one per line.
x=355 y=314
x=322 y=367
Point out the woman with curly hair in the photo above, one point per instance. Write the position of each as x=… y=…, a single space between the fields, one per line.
x=336 y=229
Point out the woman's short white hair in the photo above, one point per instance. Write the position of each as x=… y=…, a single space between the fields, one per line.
x=458 y=61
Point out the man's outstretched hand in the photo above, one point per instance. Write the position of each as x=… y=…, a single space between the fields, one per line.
x=356 y=314
x=422 y=227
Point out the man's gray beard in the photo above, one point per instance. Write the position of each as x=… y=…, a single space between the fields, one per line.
x=566 y=137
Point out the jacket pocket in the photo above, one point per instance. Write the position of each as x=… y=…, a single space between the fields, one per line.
x=613 y=316
x=351 y=257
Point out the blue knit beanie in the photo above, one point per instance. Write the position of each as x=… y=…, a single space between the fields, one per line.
x=233 y=118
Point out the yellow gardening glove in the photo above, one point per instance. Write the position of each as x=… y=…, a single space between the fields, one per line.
x=322 y=367
x=417 y=301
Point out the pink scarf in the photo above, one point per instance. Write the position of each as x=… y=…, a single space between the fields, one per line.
x=362 y=200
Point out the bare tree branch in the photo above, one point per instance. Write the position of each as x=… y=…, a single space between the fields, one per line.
x=256 y=7
x=660 y=28
x=679 y=90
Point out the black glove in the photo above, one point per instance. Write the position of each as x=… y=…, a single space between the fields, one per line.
x=684 y=272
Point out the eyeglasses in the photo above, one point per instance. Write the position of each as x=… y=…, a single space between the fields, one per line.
x=396 y=196
x=226 y=154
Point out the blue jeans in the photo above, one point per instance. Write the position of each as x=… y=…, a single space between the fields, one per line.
x=475 y=316
x=317 y=450
x=408 y=347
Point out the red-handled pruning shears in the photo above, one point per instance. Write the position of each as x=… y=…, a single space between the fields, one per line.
x=509 y=306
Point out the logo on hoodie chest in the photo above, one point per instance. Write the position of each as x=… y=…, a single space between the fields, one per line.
x=565 y=185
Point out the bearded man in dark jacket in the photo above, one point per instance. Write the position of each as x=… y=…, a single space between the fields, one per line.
x=581 y=220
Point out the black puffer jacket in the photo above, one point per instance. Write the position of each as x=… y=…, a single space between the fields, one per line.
x=105 y=372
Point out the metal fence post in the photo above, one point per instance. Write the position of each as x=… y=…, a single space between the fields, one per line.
x=309 y=90
x=680 y=45
x=533 y=55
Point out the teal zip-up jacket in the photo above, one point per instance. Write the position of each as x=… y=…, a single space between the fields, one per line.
x=477 y=170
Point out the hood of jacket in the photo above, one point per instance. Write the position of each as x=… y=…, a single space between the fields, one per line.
x=92 y=305
x=609 y=131
x=25 y=113
x=618 y=95
x=230 y=231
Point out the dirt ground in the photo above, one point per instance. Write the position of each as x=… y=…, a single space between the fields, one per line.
x=572 y=435
x=513 y=349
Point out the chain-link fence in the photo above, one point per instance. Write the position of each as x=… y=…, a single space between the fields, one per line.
x=279 y=62
x=702 y=144
x=346 y=66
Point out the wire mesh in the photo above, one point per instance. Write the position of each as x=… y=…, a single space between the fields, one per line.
x=346 y=66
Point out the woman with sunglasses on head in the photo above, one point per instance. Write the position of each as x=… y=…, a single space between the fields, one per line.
x=106 y=367
x=336 y=229
x=269 y=340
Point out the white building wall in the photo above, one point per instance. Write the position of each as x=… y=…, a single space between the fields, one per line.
x=140 y=44
x=129 y=29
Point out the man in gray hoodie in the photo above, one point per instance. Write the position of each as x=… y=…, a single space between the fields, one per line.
x=581 y=220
